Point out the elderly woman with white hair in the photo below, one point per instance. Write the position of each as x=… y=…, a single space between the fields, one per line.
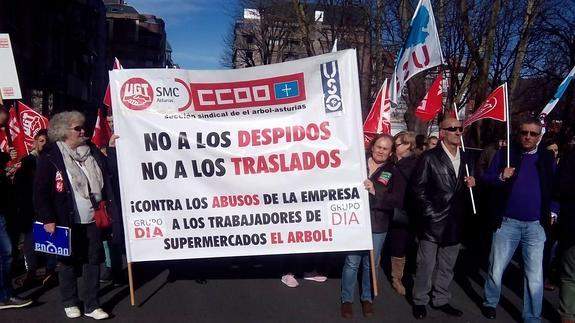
x=71 y=179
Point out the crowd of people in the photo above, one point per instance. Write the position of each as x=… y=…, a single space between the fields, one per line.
x=420 y=192
x=419 y=196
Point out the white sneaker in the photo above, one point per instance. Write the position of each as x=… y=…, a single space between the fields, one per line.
x=72 y=312
x=314 y=276
x=97 y=314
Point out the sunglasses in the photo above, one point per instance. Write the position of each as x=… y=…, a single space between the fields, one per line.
x=531 y=133
x=453 y=129
x=78 y=128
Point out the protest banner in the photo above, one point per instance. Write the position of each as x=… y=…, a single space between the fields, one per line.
x=9 y=85
x=256 y=161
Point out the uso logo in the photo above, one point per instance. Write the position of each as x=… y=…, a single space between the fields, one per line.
x=137 y=94
x=331 y=87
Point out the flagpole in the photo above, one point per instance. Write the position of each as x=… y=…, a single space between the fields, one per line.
x=508 y=126
x=466 y=167
x=373 y=272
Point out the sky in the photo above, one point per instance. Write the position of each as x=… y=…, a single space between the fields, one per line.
x=195 y=28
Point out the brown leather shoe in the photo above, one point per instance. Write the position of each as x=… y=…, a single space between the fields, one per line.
x=346 y=310
x=367 y=309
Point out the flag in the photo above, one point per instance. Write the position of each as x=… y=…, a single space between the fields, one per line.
x=432 y=102
x=102 y=130
x=494 y=107
x=17 y=134
x=421 y=51
x=30 y=123
x=334 y=48
x=379 y=117
x=562 y=87
x=107 y=96
x=4 y=145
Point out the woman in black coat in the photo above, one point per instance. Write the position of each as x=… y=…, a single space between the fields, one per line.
x=71 y=180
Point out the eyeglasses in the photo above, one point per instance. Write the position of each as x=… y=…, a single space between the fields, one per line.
x=78 y=128
x=453 y=129
x=531 y=133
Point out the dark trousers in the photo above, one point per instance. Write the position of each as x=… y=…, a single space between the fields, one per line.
x=567 y=293
x=32 y=256
x=431 y=258
x=86 y=252
x=5 y=261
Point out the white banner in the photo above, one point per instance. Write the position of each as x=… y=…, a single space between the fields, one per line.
x=256 y=161
x=9 y=85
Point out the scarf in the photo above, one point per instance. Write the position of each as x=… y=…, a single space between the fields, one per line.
x=78 y=177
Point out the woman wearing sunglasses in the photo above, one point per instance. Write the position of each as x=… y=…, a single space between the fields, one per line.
x=71 y=179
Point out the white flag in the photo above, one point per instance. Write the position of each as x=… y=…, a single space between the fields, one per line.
x=421 y=51
x=562 y=87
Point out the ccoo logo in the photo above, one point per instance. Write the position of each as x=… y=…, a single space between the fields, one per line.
x=137 y=94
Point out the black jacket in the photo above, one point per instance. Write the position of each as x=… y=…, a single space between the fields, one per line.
x=565 y=192
x=439 y=197
x=381 y=204
x=24 y=183
x=500 y=191
x=60 y=207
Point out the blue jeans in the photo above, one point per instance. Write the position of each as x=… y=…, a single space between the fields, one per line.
x=505 y=240
x=351 y=267
x=5 y=261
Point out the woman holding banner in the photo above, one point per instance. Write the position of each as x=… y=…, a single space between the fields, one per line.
x=378 y=184
x=71 y=179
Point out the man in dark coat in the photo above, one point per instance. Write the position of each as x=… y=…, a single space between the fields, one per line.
x=566 y=195
x=439 y=190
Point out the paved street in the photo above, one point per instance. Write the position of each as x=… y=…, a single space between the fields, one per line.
x=249 y=290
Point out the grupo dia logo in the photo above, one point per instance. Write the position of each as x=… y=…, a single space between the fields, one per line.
x=137 y=94
x=331 y=87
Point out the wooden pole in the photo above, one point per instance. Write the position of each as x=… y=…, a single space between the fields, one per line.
x=373 y=273
x=131 y=284
x=508 y=127
x=466 y=167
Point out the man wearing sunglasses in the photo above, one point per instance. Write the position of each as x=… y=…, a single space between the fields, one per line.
x=521 y=206
x=439 y=190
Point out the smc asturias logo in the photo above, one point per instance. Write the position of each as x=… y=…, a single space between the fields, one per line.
x=137 y=94
x=331 y=87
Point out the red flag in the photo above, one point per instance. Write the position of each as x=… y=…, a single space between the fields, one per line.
x=102 y=130
x=379 y=117
x=107 y=96
x=432 y=102
x=30 y=123
x=17 y=134
x=494 y=107
x=4 y=146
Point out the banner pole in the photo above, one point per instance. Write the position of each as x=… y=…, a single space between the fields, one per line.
x=131 y=285
x=508 y=126
x=373 y=273
x=466 y=167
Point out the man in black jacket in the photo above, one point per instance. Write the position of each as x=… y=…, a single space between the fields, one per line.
x=566 y=195
x=439 y=190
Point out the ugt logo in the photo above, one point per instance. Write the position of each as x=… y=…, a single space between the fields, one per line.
x=137 y=94
x=331 y=87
